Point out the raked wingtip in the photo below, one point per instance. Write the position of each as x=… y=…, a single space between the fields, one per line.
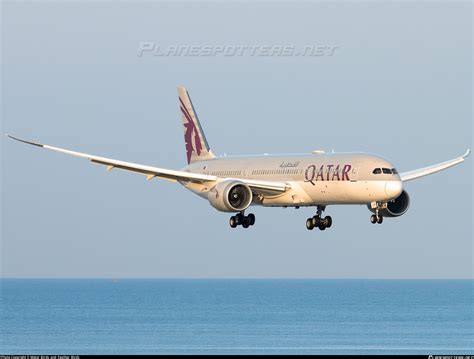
x=25 y=141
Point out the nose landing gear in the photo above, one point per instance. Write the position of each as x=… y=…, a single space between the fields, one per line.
x=376 y=219
x=241 y=219
x=375 y=207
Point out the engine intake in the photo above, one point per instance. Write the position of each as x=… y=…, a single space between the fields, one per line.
x=395 y=208
x=230 y=196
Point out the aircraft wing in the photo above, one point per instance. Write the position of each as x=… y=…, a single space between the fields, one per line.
x=411 y=175
x=152 y=172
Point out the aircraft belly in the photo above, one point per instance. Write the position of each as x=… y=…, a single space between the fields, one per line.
x=307 y=194
x=336 y=192
x=348 y=192
x=330 y=192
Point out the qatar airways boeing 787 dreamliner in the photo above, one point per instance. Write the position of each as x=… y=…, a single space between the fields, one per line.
x=319 y=179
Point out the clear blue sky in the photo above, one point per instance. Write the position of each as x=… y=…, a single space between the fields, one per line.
x=398 y=85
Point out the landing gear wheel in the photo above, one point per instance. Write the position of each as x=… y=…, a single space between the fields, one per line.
x=373 y=219
x=379 y=219
x=233 y=221
x=316 y=221
x=328 y=221
x=240 y=218
x=251 y=218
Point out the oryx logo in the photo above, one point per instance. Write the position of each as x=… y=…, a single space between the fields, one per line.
x=191 y=132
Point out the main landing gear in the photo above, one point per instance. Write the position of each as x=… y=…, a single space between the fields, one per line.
x=318 y=221
x=241 y=219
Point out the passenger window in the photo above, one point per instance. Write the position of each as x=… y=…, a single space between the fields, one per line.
x=387 y=171
x=377 y=171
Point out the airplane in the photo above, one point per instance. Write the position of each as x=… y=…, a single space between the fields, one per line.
x=316 y=179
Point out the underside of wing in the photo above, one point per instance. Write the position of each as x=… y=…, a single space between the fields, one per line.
x=262 y=187
x=411 y=175
x=149 y=171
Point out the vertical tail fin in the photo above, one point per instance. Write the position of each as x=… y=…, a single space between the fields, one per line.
x=197 y=148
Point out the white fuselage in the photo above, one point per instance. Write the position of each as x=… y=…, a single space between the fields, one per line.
x=315 y=179
x=232 y=184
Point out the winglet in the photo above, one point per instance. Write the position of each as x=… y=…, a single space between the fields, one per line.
x=24 y=141
x=468 y=152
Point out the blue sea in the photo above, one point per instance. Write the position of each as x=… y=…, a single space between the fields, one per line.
x=159 y=316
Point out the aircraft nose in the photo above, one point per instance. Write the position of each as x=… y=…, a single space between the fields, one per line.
x=393 y=189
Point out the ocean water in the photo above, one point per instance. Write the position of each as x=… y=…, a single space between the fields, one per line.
x=104 y=316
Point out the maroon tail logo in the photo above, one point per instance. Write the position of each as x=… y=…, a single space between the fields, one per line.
x=190 y=131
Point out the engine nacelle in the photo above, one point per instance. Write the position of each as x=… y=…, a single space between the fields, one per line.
x=395 y=208
x=230 y=196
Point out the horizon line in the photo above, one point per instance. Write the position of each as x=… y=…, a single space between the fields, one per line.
x=236 y=278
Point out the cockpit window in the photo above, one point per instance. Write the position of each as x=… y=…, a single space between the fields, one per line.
x=387 y=171
x=377 y=171
x=394 y=171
